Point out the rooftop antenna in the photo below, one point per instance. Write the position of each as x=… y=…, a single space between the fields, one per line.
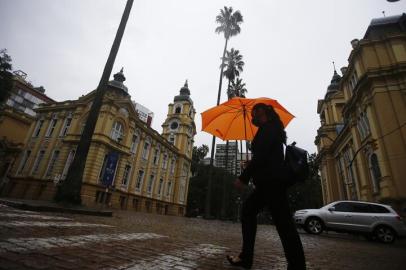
x=383 y=12
x=334 y=66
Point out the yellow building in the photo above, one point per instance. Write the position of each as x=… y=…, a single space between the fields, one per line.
x=16 y=116
x=129 y=165
x=362 y=138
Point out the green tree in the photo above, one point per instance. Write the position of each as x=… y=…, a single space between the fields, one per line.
x=5 y=75
x=307 y=195
x=198 y=190
x=229 y=25
x=198 y=154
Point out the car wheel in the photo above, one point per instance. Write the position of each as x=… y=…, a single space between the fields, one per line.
x=385 y=234
x=314 y=225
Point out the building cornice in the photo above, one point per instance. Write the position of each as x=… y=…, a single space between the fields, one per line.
x=17 y=115
x=366 y=80
x=363 y=43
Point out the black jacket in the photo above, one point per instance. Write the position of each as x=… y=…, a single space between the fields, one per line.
x=267 y=162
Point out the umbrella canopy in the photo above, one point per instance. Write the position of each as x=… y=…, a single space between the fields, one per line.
x=231 y=120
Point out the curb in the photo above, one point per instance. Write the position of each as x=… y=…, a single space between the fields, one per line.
x=59 y=209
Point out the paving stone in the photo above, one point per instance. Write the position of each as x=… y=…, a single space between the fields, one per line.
x=133 y=240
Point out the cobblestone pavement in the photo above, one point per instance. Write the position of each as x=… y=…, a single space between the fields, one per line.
x=130 y=240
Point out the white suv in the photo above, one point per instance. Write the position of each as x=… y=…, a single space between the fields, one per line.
x=371 y=219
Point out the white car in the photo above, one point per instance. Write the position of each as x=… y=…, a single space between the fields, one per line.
x=371 y=219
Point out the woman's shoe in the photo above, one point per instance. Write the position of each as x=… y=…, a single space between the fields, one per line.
x=237 y=261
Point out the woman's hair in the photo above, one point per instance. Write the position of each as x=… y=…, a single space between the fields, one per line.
x=273 y=118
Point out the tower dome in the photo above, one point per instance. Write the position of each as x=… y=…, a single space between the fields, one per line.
x=184 y=94
x=334 y=84
x=119 y=78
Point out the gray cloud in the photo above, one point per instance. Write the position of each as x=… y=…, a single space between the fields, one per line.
x=288 y=47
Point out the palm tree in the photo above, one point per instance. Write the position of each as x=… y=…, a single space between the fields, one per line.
x=233 y=64
x=229 y=25
x=237 y=87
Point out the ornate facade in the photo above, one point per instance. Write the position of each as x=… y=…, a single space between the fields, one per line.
x=129 y=165
x=362 y=138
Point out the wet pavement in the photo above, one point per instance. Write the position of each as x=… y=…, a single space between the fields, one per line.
x=133 y=240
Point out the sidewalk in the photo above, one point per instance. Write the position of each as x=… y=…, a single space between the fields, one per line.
x=49 y=206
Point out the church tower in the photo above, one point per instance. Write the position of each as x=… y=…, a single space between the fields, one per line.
x=179 y=127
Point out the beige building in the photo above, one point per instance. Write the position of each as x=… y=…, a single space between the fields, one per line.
x=362 y=138
x=129 y=165
x=16 y=116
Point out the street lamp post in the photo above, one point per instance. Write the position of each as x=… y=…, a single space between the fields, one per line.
x=373 y=144
x=70 y=189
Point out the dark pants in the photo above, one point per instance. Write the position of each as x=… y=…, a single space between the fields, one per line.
x=275 y=199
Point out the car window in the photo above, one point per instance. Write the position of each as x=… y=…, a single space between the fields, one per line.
x=361 y=208
x=343 y=207
x=378 y=209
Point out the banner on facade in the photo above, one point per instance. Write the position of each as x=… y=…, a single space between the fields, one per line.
x=109 y=169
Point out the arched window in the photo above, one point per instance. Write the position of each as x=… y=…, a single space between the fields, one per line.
x=161 y=183
x=147 y=146
x=117 y=131
x=52 y=125
x=68 y=162
x=38 y=127
x=169 y=189
x=134 y=142
x=66 y=125
x=375 y=171
x=173 y=163
x=52 y=162
x=165 y=161
x=140 y=179
x=172 y=138
x=156 y=155
x=82 y=126
x=178 y=108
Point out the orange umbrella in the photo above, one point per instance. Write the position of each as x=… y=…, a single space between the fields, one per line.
x=231 y=120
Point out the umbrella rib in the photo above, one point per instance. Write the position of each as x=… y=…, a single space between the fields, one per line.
x=229 y=111
x=237 y=115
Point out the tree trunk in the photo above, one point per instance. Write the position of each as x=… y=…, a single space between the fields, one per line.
x=241 y=154
x=228 y=170
x=236 y=159
x=224 y=200
x=70 y=189
x=207 y=213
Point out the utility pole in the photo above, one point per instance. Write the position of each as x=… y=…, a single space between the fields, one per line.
x=70 y=189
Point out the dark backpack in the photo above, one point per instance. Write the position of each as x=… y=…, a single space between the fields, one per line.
x=296 y=164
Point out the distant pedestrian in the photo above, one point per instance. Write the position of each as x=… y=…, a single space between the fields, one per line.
x=267 y=171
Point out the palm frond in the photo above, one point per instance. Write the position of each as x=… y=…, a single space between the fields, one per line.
x=229 y=22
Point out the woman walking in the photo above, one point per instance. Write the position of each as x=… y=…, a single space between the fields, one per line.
x=267 y=171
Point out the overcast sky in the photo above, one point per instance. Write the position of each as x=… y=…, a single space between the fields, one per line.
x=288 y=49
